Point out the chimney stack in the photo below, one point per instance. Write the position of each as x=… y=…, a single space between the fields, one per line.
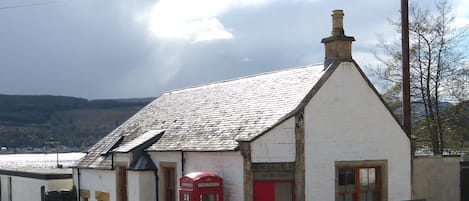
x=338 y=46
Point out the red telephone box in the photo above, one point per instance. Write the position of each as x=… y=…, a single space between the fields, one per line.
x=201 y=186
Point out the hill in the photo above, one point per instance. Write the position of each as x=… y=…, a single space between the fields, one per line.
x=35 y=122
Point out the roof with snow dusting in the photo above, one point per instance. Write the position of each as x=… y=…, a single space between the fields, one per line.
x=212 y=117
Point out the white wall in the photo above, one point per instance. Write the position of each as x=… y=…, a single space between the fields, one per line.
x=98 y=180
x=141 y=185
x=26 y=188
x=166 y=157
x=277 y=145
x=228 y=165
x=122 y=158
x=23 y=188
x=4 y=187
x=345 y=121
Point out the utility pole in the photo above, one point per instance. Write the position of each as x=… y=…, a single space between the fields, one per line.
x=406 y=114
x=406 y=106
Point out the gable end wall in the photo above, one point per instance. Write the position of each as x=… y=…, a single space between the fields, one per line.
x=346 y=121
x=277 y=145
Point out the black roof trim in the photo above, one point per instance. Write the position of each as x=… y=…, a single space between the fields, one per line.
x=112 y=145
x=36 y=175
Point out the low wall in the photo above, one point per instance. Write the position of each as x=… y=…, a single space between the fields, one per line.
x=436 y=178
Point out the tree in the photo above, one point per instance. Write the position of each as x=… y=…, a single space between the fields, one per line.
x=438 y=68
x=457 y=136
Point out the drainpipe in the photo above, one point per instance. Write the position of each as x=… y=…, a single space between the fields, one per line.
x=78 y=184
x=182 y=162
x=112 y=161
x=156 y=184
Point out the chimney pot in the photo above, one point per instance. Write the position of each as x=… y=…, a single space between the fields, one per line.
x=338 y=46
x=338 y=23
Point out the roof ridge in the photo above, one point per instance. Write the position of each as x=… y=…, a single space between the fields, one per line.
x=238 y=78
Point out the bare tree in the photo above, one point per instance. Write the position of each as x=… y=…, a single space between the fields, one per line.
x=438 y=68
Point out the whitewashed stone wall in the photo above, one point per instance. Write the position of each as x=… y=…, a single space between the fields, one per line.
x=228 y=165
x=346 y=121
x=141 y=185
x=166 y=157
x=277 y=145
x=23 y=188
x=26 y=188
x=122 y=159
x=4 y=187
x=98 y=180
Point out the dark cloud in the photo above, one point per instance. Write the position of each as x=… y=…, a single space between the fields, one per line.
x=104 y=49
x=80 y=48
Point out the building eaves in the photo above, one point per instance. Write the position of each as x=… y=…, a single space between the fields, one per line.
x=38 y=173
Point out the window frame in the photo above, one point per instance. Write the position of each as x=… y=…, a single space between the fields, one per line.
x=381 y=175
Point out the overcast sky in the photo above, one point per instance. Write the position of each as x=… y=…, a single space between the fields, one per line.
x=141 y=48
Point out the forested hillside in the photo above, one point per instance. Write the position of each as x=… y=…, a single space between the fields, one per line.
x=34 y=122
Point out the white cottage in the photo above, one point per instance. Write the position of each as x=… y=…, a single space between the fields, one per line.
x=24 y=184
x=316 y=132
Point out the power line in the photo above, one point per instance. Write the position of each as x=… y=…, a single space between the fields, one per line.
x=28 y=5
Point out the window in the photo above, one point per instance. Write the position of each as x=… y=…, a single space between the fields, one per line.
x=209 y=197
x=186 y=197
x=358 y=184
x=361 y=181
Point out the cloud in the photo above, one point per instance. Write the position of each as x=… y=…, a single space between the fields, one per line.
x=461 y=19
x=120 y=48
x=191 y=20
x=210 y=29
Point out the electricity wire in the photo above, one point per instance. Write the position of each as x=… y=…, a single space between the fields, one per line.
x=28 y=5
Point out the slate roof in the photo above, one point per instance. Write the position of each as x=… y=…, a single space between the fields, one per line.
x=213 y=116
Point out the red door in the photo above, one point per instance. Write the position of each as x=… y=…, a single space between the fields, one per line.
x=264 y=191
x=273 y=191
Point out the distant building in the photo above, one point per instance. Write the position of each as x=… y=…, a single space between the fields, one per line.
x=317 y=132
x=32 y=184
